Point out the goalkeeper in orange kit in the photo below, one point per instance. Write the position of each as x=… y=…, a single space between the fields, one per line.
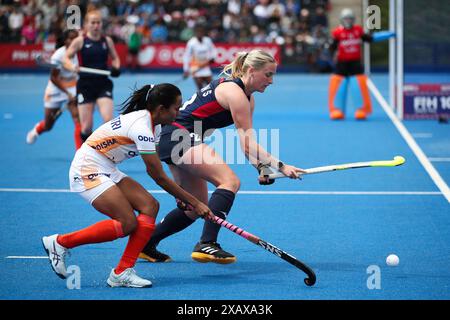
x=349 y=73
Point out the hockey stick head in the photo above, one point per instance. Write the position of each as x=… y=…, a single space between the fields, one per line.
x=42 y=62
x=39 y=59
x=398 y=160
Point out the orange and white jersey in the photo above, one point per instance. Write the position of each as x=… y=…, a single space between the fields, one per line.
x=126 y=136
x=68 y=78
x=196 y=53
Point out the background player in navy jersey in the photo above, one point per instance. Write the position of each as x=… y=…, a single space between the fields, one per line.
x=223 y=102
x=93 y=49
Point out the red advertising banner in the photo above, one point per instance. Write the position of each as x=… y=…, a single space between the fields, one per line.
x=23 y=56
x=171 y=55
x=150 y=56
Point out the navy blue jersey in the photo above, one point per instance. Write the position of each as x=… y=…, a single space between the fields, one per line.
x=93 y=54
x=203 y=107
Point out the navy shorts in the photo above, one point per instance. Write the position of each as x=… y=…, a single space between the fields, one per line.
x=91 y=89
x=171 y=150
x=349 y=68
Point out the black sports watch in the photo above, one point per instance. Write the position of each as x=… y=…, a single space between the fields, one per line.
x=280 y=165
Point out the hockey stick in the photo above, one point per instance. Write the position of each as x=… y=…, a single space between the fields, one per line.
x=398 y=160
x=309 y=281
x=179 y=81
x=40 y=61
x=183 y=78
x=60 y=111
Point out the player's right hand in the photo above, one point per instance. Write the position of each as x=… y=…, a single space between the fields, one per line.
x=115 y=72
x=203 y=211
x=71 y=97
x=76 y=69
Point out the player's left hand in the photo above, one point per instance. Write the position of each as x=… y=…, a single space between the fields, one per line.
x=264 y=170
x=292 y=172
x=115 y=73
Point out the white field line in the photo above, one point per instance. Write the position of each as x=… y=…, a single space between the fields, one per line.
x=347 y=193
x=26 y=257
x=422 y=135
x=439 y=159
x=282 y=192
x=435 y=176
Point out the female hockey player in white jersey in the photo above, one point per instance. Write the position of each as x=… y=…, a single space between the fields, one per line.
x=199 y=55
x=95 y=176
x=60 y=91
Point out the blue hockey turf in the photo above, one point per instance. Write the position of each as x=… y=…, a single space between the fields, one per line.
x=342 y=224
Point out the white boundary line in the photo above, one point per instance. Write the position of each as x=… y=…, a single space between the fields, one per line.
x=439 y=159
x=26 y=257
x=435 y=176
x=281 y=192
x=34 y=190
x=347 y=193
x=422 y=135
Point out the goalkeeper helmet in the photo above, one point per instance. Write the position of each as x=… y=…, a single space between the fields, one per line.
x=347 y=18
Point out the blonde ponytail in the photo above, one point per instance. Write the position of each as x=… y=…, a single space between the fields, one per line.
x=239 y=66
x=236 y=68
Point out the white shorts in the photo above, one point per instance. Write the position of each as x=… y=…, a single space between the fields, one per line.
x=55 y=99
x=203 y=72
x=91 y=173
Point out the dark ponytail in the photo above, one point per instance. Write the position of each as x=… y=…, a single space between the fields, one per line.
x=150 y=96
x=61 y=39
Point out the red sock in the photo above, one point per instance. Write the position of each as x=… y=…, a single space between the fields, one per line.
x=77 y=135
x=40 y=127
x=103 y=231
x=138 y=239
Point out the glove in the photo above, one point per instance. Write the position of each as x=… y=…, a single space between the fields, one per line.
x=382 y=35
x=265 y=170
x=115 y=72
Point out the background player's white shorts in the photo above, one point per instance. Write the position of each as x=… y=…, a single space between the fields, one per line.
x=91 y=173
x=55 y=99
x=203 y=72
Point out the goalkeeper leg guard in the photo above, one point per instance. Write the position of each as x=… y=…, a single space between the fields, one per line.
x=360 y=96
x=337 y=96
x=367 y=104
